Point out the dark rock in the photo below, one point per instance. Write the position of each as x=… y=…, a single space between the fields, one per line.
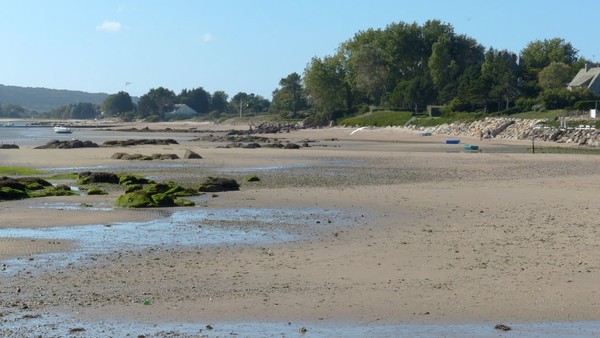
x=70 y=144
x=133 y=157
x=191 y=155
x=502 y=327
x=9 y=146
x=291 y=146
x=88 y=177
x=252 y=145
x=168 y=157
x=132 y=142
x=217 y=184
x=119 y=156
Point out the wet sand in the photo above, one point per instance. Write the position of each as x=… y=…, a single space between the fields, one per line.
x=421 y=232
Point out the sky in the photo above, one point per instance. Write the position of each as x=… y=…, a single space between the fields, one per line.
x=107 y=46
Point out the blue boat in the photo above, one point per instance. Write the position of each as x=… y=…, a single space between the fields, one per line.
x=451 y=141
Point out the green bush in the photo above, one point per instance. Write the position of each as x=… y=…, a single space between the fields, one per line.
x=378 y=119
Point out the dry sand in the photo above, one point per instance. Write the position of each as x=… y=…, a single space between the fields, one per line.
x=426 y=233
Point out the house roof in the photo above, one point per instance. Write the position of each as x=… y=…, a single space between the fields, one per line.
x=585 y=78
x=182 y=109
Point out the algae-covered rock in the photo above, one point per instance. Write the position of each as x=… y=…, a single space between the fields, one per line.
x=183 y=202
x=59 y=190
x=136 y=199
x=155 y=195
x=25 y=187
x=134 y=187
x=163 y=200
x=126 y=179
x=217 y=184
x=251 y=178
x=96 y=191
x=24 y=183
x=8 y=193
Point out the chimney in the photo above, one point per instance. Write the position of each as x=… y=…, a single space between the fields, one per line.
x=587 y=67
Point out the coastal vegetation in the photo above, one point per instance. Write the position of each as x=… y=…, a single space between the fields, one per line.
x=377 y=78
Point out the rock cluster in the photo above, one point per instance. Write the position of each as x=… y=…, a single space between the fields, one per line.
x=15 y=188
x=189 y=154
x=499 y=127
x=136 y=142
x=518 y=129
x=140 y=157
x=68 y=144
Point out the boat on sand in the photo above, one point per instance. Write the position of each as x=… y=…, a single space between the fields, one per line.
x=62 y=130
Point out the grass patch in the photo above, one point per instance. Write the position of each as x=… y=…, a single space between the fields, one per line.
x=426 y=121
x=548 y=115
x=567 y=150
x=378 y=119
x=19 y=171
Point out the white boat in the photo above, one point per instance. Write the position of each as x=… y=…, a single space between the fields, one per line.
x=62 y=130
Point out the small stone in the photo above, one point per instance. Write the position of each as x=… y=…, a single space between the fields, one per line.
x=502 y=327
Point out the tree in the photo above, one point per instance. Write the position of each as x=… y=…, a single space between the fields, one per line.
x=147 y=106
x=371 y=71
x=219 y=102
x=473 y=89
x=450 y=57
x=555 y=76
x=12 y=110
x=290 y=96
x=156 y=102
x=197 y=99
x=117 y=103
x=84 y=111
x=413 y=93
x=499 y=70
x=244 y=103
x=326 y=86
x=539 y=54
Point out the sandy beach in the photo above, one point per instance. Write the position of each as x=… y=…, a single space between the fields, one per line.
x=379 y=226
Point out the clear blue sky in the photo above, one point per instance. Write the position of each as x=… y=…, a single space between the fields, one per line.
x=242 y=46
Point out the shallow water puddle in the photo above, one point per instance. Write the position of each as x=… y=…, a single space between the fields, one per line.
x=181 y=228
x=60 y=325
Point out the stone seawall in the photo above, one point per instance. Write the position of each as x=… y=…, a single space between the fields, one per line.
x=517 y=129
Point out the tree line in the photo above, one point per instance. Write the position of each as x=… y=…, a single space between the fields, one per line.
x=408 y=66
x=400 y=67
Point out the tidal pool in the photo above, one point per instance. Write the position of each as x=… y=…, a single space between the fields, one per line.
x=192 y=227
x=60 y=325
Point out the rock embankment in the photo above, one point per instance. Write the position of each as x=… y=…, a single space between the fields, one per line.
x=517 y=129
x=498 y=127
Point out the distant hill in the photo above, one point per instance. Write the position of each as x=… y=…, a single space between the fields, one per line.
x=44 y=99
